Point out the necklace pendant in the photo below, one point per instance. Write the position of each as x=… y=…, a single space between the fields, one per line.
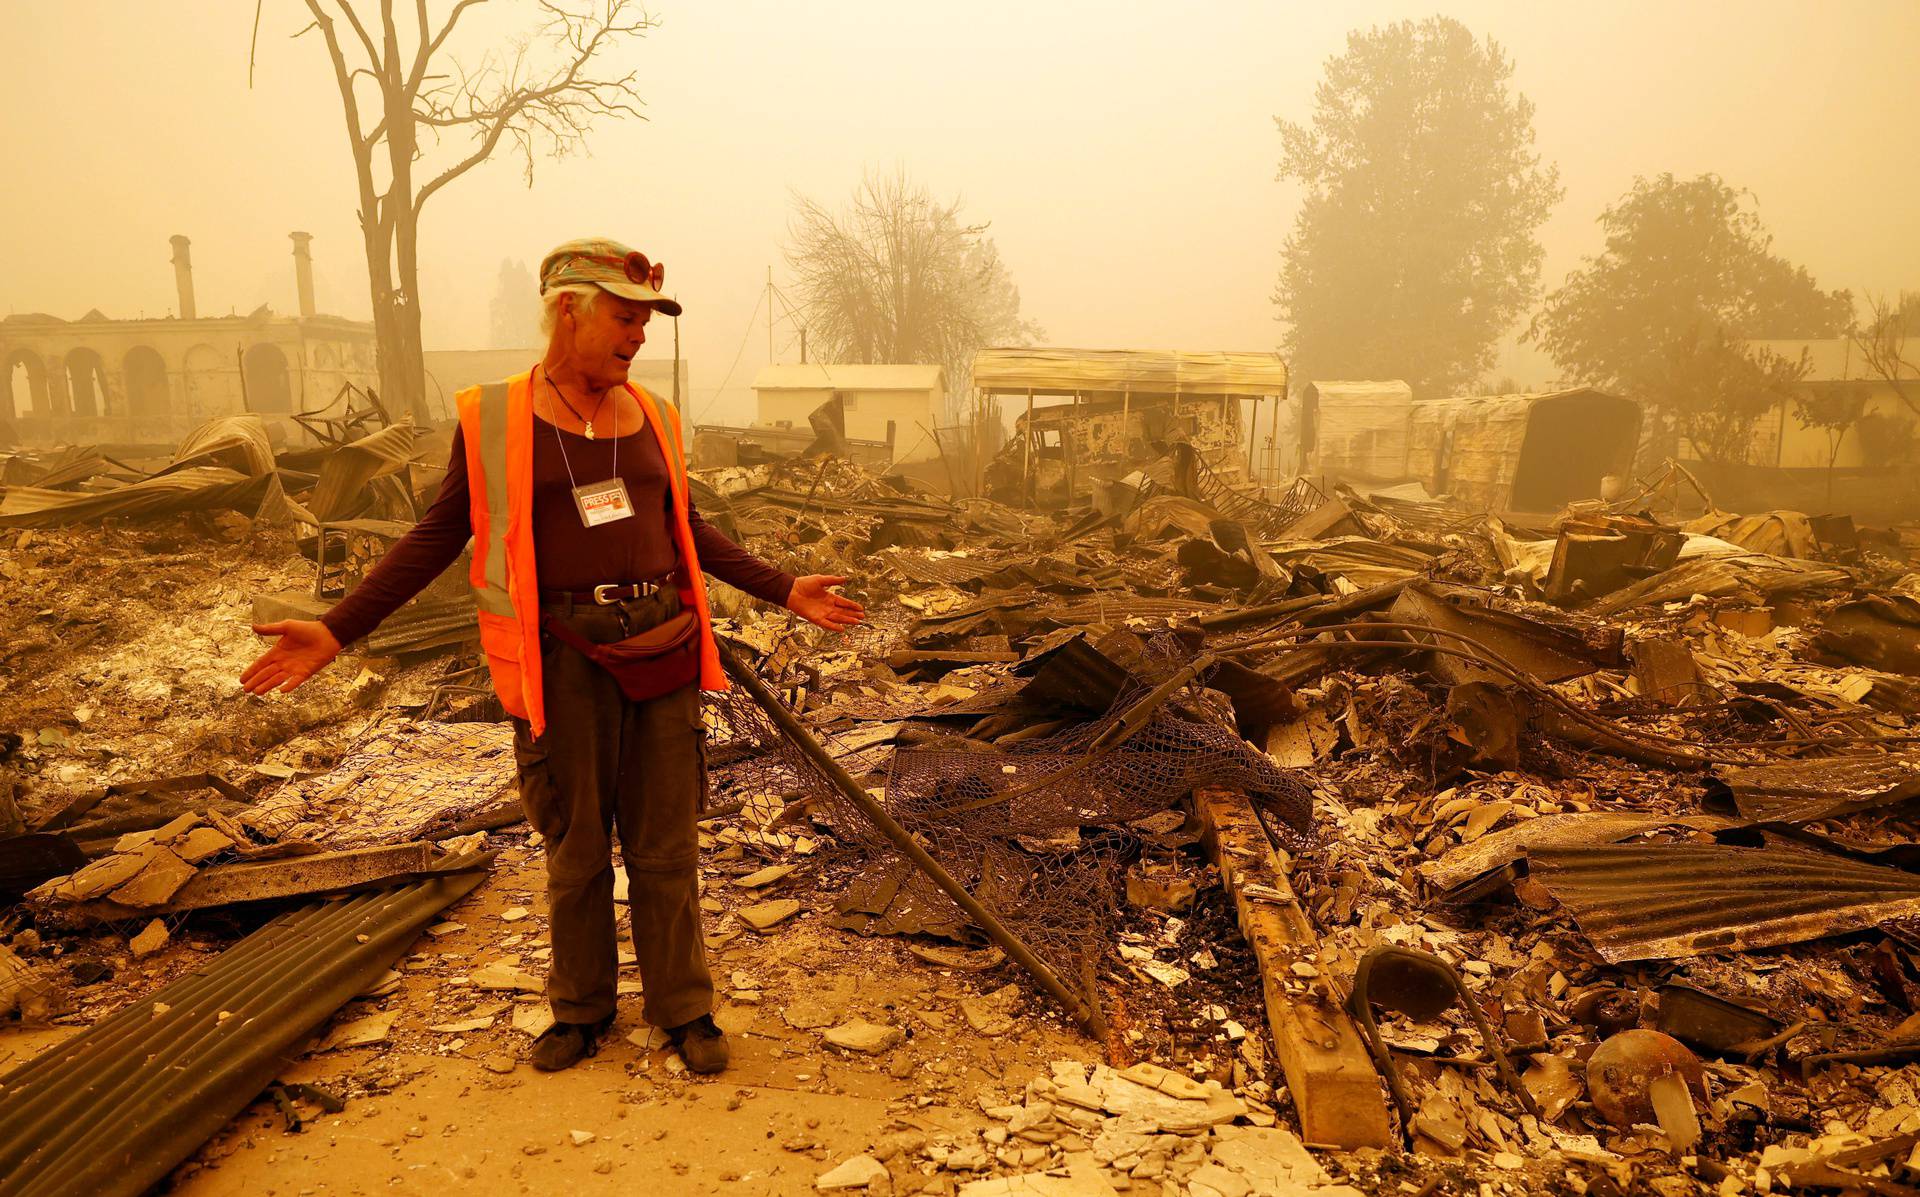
x=589 y=433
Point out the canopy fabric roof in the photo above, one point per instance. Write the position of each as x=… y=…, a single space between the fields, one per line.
x=1065 y=371
x=816 y=377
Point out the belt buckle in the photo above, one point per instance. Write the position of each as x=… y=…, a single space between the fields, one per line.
x=601 y=591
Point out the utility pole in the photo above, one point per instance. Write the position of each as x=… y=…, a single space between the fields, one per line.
x=803 y=346
x=769 y=315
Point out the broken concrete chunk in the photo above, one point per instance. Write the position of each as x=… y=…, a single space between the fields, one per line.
x=808 y=1014
x=200 y=843
x=532 y=1019
x=500 y=975
x=176 y=828
x=360 y=1032
x=109 y=872
x=993 y=1013
x=860 y=1035
x=761 y=878
x=856 y=1173
x=156 y=883
x=133 y=841
x=765 y=916
x=1166 y=1081
x=151 y=939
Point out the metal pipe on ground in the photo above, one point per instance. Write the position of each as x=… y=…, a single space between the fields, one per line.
x=1087 y=1015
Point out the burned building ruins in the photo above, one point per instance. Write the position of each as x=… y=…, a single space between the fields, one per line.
x=105 y=380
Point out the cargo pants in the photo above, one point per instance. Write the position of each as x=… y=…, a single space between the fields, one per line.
x=607 y=763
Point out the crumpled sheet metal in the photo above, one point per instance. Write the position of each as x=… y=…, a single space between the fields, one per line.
x=1660 y=901
x=1581 y=829
x=1881 y=631
x=110 y=1111
x=1549 y=646
x=1803 y=791
x=1719 y=577
x=197 y=488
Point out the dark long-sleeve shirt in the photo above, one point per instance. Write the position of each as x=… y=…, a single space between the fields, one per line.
x=567 y=554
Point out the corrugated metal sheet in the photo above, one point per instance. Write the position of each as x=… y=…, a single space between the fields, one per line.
x=1064 y=371
x=110 y=1111
x=1658 y=901
x=1801 y=791
x=1360 y=429
x=927 y=570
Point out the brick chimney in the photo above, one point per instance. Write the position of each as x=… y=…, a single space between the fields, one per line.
x=183 y=274
x=303 y=270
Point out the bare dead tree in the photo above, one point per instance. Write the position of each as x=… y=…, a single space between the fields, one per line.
x=898 y=276
x=539 y=98
x=1882 y=343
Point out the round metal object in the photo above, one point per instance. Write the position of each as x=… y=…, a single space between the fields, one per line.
x=1621 y=1069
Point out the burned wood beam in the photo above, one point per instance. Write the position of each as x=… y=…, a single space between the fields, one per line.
x=1329 y=1072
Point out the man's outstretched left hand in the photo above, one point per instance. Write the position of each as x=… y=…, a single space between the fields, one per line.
x=813 y=600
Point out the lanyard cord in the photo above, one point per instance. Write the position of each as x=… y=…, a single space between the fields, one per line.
x=548 y=379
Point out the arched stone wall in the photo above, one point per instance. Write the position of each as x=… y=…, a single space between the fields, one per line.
x=147 y=386
x=25 y=375
x=269 y=386
x=87 y=387
x=207 y=375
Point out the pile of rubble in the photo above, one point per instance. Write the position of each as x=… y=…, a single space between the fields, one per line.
x=1372 y=843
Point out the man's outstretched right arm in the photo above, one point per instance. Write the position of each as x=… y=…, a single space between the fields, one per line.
x=303 y=647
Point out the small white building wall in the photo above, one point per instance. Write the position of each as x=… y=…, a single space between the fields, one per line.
x=867 y=414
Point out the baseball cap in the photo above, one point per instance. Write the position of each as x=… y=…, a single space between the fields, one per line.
x=610 y=266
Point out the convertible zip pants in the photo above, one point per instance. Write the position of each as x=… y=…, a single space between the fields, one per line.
x=606 y=763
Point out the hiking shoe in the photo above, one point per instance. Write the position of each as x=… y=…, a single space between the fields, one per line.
x=565 y=1044
x=701 y=1044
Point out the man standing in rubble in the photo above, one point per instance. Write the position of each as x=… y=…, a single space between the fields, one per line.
x=572 y=484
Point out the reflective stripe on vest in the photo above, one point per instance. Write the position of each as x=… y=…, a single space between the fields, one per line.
x=493 y=596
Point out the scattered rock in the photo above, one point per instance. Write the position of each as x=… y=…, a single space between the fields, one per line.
x=360 y=1032
x=150 y=940
x=761 y=878
x=765 y=916
x=992 y=1014
x=863 y=1036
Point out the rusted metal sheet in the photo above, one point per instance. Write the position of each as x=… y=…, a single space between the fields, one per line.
x=110 y=1111
x=927 y=570
x=1551 y=647
x=1659 y=901
x=1470 y=862
x=1803 y=791
x=1880 y=631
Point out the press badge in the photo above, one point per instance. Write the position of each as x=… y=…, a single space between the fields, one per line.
x=602 y=502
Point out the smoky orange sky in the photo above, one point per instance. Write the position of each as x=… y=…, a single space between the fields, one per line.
x=1124 y=153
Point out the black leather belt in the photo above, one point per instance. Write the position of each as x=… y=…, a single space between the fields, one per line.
x=609 y=593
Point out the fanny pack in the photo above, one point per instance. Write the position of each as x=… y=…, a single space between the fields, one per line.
x=658 y=661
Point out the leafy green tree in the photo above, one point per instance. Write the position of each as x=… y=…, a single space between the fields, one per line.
x=1414 y=249
x=1835 y=409
x=1685 y=259
x=1715 y=390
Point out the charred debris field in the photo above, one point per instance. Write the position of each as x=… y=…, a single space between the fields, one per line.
x=1184 y=838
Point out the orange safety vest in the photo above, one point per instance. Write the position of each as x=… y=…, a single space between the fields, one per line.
x=496 y=422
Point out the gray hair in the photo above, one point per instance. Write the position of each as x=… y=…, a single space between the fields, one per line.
x=586 y=295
